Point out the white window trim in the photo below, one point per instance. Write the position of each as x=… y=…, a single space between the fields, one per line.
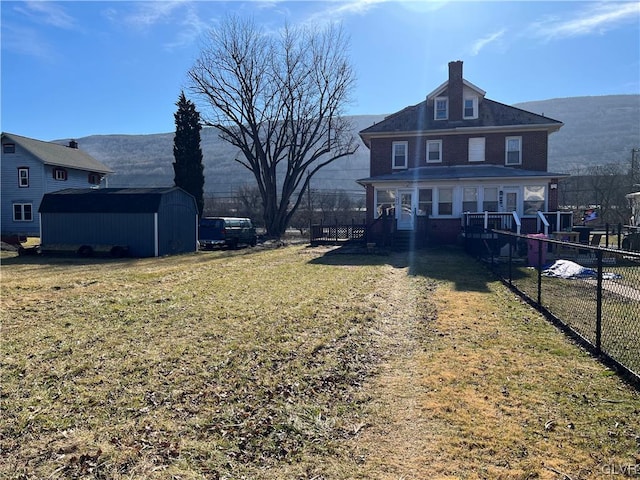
x=475 y=108
x=435 y=108
x=484 y=149
x=439 y=143
x=393 y=155
x=506 y=151
x=436 y=202
x=20 y=177
x=22 y=205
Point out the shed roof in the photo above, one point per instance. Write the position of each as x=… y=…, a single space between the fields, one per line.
x=105 y=200
x=58 y=155
x=460 y=172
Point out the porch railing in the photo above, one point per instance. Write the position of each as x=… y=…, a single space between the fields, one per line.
x=509 y=221
x=558 y=221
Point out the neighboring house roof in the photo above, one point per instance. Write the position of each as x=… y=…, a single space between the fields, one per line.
x=460 y=172
x=58 y=155
x=491 y=115
x=105 y=200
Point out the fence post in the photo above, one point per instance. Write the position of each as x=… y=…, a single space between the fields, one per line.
x=511 y=242
x=599 y=304
x=540 y=271
x=619 y=235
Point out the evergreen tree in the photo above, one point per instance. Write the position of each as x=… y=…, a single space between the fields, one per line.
x=188 y=167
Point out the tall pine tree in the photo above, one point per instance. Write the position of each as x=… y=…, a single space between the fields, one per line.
x=188 y=167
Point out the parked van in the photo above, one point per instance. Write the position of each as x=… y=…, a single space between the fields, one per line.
x=226 y=232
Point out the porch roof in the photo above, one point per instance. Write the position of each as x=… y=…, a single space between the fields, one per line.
x=460 y=172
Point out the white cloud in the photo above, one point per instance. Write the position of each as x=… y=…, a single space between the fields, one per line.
x=597 y=19
x=483 y=42
x=49 y=13
x=148 y=14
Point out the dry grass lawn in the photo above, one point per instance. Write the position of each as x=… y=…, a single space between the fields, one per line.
x=293 y=363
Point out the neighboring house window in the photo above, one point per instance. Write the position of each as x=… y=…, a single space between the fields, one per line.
x=470 y=199
x=23 y=177
x=8 y=148
x=400 y=154
x=470 y=107
x=94 y=179
x=533 y=199
x=445 y=201
x=476 y=149
x=385 y=202
x=441 y=110
x=434 y=151
x=513 y=151
x=425 y=201
x=22 y=212
x=490 y=200
x=59 y=174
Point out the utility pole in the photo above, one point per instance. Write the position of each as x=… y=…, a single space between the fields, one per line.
x=635 y=166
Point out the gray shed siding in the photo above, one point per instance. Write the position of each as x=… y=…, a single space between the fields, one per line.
x=177 y=224
x=150 y=222
x=135 y=230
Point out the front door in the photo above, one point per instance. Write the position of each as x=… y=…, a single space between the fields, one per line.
x=509 y=200
x=405 y=211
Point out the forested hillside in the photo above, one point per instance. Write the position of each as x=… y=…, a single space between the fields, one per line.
x=596 y=131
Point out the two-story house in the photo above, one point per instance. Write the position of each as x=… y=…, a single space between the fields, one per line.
x=31 y=168
x=458 y=152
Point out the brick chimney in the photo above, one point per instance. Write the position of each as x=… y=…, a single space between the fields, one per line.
x=455 y=90
x=73 y=144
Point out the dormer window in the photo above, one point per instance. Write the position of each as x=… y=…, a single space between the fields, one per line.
x=441 y=110
x=470 y=108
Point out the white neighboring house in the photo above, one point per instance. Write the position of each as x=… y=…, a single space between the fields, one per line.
x=31 y=168
x=634 y=202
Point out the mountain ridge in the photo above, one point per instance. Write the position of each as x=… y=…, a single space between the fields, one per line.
x=597 y=130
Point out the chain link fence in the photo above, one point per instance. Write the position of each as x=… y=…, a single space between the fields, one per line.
x=593 y=292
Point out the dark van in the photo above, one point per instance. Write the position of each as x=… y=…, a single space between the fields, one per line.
x=226 y=232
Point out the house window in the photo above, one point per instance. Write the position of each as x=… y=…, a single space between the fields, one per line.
x=22 y=212
x=8 y=148
x=533 y=199
x=490 y=200
x=23 y=177
x=385 y=203
x=434 y=151
x=441 y=110
x=470 y=107
x=513 y=151
x=59 y=174
x=425 y=201
x=445 y=201
x=470 y=199
x=476 y=149
x=94 y=179
x=400 y=154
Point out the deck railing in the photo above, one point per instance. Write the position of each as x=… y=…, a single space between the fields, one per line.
x=338 y=233
x=492 y=221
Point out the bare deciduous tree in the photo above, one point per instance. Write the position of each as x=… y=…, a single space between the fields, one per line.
x=279 y=99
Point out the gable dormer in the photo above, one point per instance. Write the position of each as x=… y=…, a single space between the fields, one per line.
x=456 y=99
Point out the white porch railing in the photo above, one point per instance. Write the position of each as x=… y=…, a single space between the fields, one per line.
x=542 y=219
x=492 y=220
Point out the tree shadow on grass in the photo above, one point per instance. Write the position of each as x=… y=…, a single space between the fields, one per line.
x=443 y=263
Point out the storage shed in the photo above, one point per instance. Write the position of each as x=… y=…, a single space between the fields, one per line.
x=143 y=222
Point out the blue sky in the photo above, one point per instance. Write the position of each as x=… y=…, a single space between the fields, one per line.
x=72 y=69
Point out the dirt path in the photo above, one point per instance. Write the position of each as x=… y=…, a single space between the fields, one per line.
x=477 y=385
